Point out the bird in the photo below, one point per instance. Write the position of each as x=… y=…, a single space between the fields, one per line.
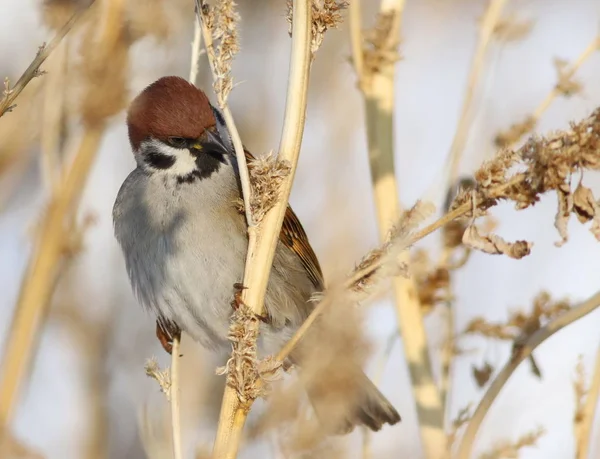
x=184 y=239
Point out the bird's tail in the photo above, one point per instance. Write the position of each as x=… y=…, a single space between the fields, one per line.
x=354 y=402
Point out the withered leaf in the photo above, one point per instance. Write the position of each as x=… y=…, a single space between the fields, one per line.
x=482 y=375
x=584 y=204
x=495 y=245
x=535 y=369
x=565 y=206
x=587 y=208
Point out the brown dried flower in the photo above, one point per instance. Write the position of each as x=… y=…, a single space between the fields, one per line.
x=542 y=164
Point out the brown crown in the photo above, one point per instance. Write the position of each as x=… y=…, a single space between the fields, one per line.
x=169 y=107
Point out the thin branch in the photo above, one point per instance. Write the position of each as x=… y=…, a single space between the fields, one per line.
x=175 y=404
x=56 y=232
x=516 y=131
x=589 y=413
x=10 y=94
x=228 y=117
x=260 y=255
x=356 y=38
x=520 y=354
x=486 y=32
x=592 y=47
x=377 y=85
x=196 y=50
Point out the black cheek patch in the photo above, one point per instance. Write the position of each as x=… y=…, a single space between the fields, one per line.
x=159 y=160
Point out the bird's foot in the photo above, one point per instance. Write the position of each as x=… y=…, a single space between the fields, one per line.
x=166 y=332
x=238 y=302
x=237 y=295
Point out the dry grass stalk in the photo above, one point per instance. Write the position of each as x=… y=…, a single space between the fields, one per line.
x=462 y=418
x=588 y=412
x=54 y=234
x=375 y=69
x=175 y=399
x=223 y=32
x=580 y=391
x=565 y=86
x=33 y=71
x=261 y=249
x=369 y=275
x=491 y=18
x=509 y=450
x=54 y=117
x=520 y=353
x=41 y=277
x=518 y=328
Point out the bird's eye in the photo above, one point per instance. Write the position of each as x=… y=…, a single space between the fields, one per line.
x=177 y=142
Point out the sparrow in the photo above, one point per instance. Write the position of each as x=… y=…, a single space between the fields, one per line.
x=184 y=240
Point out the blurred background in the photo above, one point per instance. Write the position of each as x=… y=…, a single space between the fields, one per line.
x=88 y=395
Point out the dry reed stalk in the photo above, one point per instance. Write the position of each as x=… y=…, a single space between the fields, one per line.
x=10 y=94
x=376 y=79
x=262 y=243
x=41 y=276
x=175 y=403
x=53 y=116
x=55 y=235
x=565 y=80
x=519 y=354
x=491 y=18
x=221 y=68
x=584 y=439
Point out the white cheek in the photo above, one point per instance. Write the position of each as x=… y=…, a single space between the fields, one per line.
x=185 y=163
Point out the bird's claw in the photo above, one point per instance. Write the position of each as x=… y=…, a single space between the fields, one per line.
x=237 y=295
x=166 y=332
x=237 y=302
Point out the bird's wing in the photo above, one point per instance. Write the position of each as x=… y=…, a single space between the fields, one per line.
x=294 y=237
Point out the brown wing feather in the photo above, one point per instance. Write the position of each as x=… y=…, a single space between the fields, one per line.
x=294 y=237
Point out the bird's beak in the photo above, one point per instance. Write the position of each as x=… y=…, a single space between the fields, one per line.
x=210 y=141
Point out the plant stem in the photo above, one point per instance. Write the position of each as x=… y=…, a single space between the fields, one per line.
x=260 y=254
x=41 y=275
x=486 y=31
x=537 y=338
x=6 y=104
x=175 y=404
x=589 y=412
x=378 y=90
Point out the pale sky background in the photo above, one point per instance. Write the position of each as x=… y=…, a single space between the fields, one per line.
x=332 y=197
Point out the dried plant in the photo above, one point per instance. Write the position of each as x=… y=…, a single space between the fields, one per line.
x=508 y=449
x=222 y=21
x=336 y=345
x=462 y=418
x=542 y=164
x=565 y=86
x=266 y=176
x=162 y=377
x=326 y=14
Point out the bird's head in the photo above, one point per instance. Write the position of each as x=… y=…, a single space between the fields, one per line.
x=174 y=130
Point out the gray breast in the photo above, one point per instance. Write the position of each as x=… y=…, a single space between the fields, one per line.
x=184 y=248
